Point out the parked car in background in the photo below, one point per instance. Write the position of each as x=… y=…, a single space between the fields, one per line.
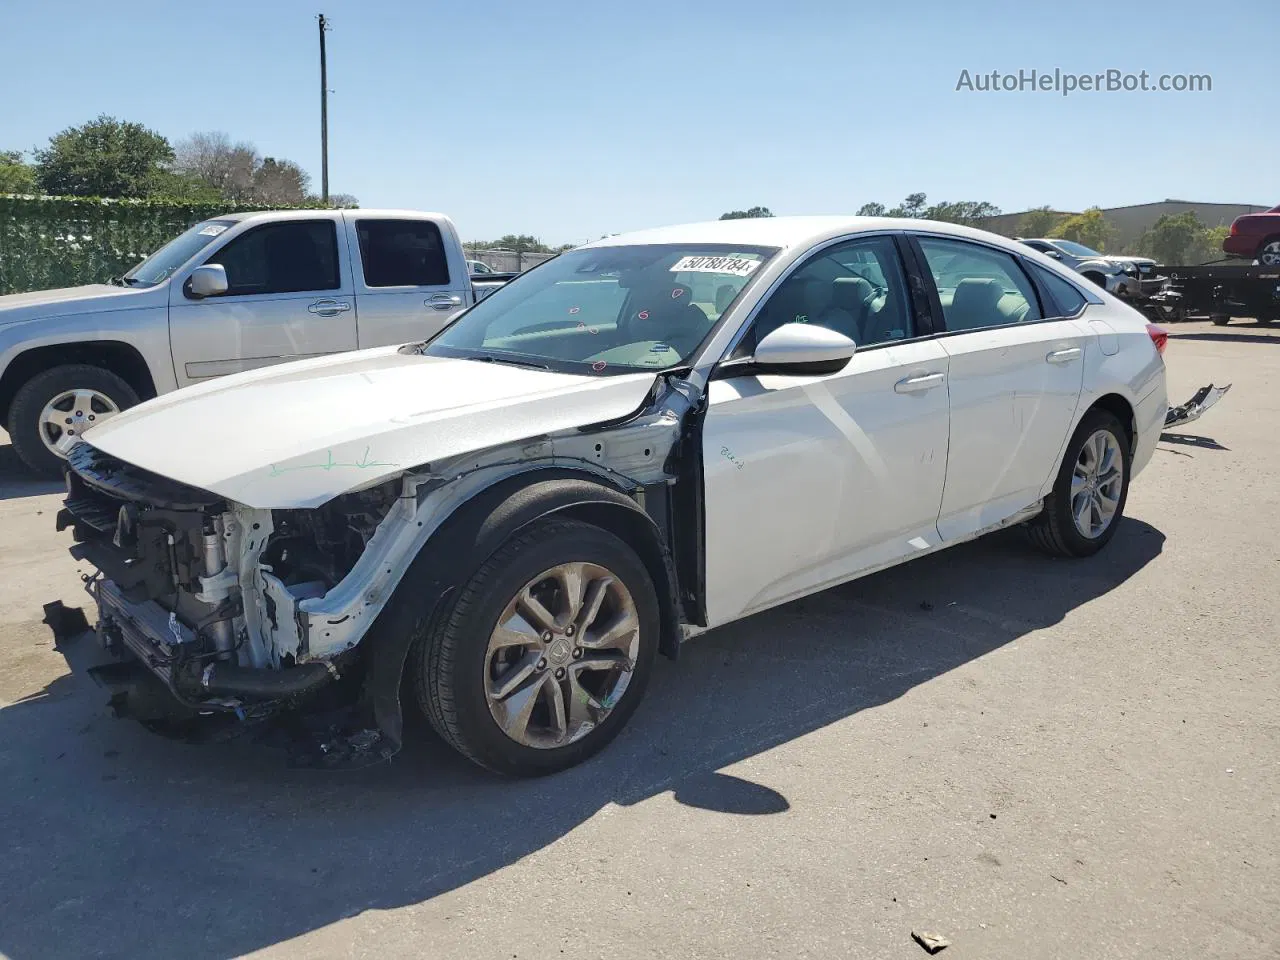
x=479 y=268
x=231 y=294
x=647 y=437
x=1123 y=276
x=1255 y=236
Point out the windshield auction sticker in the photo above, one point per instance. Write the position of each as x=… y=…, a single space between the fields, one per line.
x=736 y=266
x=212 y=229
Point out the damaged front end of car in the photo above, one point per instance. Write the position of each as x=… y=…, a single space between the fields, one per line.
x=220 y=618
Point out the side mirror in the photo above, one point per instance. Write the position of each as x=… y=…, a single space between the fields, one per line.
x=208 y=281
x=803 y=349
x=1052 y=254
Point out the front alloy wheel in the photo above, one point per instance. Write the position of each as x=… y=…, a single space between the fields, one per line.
x=561 y=655
x=546 y=651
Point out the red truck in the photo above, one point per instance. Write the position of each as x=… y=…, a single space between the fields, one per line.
x=1255 y=236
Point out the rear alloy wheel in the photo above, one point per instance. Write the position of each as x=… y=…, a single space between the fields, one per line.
x=546 y=652
x=1269 y=253
x=52 y=410
x=1082 y=512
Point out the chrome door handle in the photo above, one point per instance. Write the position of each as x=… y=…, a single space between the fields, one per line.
x=329 y=308
x=1064 y=356
x=443 y=301
x=920 y=384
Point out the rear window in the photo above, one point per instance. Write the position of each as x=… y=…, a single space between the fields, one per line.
x=402 y=253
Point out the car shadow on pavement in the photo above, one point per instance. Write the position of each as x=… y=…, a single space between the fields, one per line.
x=123 y=844
x=17 y=481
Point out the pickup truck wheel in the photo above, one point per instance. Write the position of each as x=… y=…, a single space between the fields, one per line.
x=52 y=409
x=545 y=653
x=1082 y=512
x=1219 y=320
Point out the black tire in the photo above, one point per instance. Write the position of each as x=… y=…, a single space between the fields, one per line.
x=29 y=402
x=1218 y=320
x=448 y=663
x=1054 y=530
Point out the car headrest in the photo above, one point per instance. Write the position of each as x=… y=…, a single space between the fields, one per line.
x=850 y=293
x=975 y=303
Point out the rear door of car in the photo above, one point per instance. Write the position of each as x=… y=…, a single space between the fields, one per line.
x=411 y=278
x=289 y=296
x=1016 y=371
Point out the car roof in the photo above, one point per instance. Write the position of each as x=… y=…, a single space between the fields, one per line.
x=317 y=213
x=788 y=232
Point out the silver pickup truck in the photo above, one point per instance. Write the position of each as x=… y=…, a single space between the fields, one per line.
x=230 y=294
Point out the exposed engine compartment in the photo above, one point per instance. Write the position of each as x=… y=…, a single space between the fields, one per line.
x=204 y=593
x=321 y=546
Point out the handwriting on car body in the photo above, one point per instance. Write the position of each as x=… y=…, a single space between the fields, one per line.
x=364 y=463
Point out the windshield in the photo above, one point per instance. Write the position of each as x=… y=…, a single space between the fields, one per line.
x=1075 y=249
x=157 y=267
x=607 y=310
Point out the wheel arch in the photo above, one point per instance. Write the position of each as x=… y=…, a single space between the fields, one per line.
x=473 y=532
x=1123 y=411
x=115 y=356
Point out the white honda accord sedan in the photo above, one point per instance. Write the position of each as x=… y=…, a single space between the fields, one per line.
x=639 y=440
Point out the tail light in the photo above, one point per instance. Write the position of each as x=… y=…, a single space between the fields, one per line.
x=1235 y=228
x=1159 y=336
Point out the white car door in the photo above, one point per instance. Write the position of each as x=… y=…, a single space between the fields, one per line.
x=1016 y=372
x=410 y=280
x=809 y=480
x=289 y=296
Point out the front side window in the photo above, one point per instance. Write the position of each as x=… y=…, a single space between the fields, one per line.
x=607 y=310
x=158 y=267
x=856 y=288
x=402 y=253
x=290 y=257
x=978 y=286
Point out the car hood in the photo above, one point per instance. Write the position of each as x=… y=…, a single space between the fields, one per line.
x=91 y=298
x=1116 y=258
x=299 y=434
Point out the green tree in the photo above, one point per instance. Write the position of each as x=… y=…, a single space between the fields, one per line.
x=1173 y=237
x=913 y=206
x=1039 y=222
x=520 y=243
x=749 y=214
x=16 y=175
x=1210 y=245
x=872 y=209
x=105 y=157
x=972 y=213
x=1090 y=228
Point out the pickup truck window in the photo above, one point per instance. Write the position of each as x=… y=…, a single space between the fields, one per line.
x=157 y=267
x=290 y=257
x=402 y=253
x=607 y=310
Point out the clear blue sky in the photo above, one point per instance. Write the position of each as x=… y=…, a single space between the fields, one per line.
x=568 y=118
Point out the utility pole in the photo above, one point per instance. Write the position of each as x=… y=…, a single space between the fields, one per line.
x=324 y=116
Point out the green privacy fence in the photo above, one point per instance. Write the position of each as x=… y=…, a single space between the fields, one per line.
x=50 y=242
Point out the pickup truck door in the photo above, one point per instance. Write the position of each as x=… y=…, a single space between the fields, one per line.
x=410 y=275
x=289 y=296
